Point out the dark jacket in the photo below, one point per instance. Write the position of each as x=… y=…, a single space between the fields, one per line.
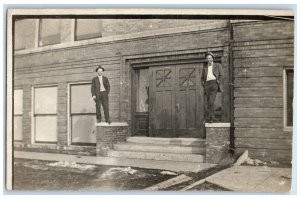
x=218 y=73
x=95 y=88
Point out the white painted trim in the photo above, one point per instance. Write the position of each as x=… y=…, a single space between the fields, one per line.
x=68 y=115
x=32 y=115
x=32 y=109
x=72 y=37
x=114 y=124
x=69 y=125
x=285 y=127
x=36 y=33
x=217 y=125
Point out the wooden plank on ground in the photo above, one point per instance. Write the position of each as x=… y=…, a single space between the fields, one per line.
x=193 y=185
x=173 y=181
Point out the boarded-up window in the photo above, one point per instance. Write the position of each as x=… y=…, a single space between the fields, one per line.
x=88 y=29
x=142 y=90
x=82 y=115
x=24 y=37
x=289 y=96
x=50 y=32
x=18 y=114
x=45 y=114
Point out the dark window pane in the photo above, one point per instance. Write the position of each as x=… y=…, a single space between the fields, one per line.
x=88 y=28
x=290 y=96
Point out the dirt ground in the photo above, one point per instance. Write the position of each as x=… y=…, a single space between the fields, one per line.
x=46 y=175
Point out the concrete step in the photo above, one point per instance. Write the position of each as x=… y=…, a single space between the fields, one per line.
x=170 y=141
x=159 y=148
x=157 y=156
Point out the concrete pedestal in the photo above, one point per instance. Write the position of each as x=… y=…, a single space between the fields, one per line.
x=217 y=142
x=108 y=134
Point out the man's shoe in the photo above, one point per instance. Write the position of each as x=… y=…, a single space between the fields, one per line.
x=214 y=119
x=98 y=121
x=109 y=122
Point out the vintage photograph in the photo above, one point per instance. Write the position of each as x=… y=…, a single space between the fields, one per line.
x=150 y=100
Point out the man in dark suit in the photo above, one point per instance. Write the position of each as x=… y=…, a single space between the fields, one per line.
x=211 y=79
x=100 y=89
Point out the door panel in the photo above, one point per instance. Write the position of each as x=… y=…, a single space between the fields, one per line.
x=162 y=100
x=176 y=105
x=188 y=92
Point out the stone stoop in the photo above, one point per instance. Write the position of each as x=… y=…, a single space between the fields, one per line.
x=170 y=149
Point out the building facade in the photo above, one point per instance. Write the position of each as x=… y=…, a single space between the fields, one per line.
x=154 y=68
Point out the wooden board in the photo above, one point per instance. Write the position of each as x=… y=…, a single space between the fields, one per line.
x=261 y=62
x=257 y=82
x=258 y=72
x=275 y=133
x=259 y=122
x=258 y=92
x=261 y=143
x=264 y=52
x=258 y=102
x=258 y=112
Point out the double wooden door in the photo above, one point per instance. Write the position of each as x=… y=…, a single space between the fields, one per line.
x=176 y=101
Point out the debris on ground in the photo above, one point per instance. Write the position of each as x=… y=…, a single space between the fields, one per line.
x=254 y=162
x=168 y=173
x=73 y=165
x=118 y=172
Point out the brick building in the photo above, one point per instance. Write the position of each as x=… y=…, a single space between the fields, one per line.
x=154 y=67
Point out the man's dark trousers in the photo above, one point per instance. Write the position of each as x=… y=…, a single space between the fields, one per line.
x=210 y=91
x=102 y=99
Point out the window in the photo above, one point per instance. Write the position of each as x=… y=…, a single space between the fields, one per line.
x=88 y=29
x=45 y=114
x=288 y=97
x=50 y=32
x=18 y=114
x=24 y=37
x=142 y=90
x=82 y=115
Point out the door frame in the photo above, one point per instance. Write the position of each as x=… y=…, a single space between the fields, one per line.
x=146 y=61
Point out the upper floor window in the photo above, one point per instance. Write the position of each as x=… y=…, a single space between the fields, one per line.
x=24 y=34
x=88 y=29
x=288 y=97
x=50 y=32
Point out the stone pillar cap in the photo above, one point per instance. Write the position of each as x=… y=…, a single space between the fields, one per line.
x=112 y=124
x=217 y=125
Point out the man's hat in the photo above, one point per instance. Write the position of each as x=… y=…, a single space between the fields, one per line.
x=211 y=54
x=99 y=68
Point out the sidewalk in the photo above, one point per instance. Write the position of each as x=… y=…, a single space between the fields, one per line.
x=254 y=179
x=112 y=161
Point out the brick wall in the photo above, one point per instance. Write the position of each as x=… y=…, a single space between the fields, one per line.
x=261 y=50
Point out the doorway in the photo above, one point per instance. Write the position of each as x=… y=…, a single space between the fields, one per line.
x=175 y=101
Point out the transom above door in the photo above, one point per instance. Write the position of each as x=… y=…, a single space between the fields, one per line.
x=175 y=101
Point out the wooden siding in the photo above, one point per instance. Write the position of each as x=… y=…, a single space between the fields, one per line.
x=259 y=57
